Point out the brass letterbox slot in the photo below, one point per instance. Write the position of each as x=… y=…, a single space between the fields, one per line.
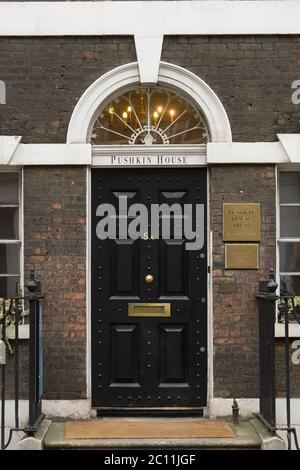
x=149 y=310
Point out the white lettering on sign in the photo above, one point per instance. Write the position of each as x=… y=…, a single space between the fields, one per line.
x=149 y=160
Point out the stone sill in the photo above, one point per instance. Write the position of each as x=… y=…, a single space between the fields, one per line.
x=294 y=330
x=23 y=332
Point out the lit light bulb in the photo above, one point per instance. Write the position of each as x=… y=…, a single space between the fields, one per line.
x=129 y=109
x=159 y=109
x=155 y=117
x=125 y=116
x=111 y=112
x=172 y=114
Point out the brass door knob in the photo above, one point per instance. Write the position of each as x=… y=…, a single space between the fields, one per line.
x=149 y=278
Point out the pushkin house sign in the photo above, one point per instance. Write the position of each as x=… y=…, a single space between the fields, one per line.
x=141 y=160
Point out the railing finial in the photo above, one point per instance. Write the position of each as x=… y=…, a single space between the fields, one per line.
x=33 y=285
x=272 y=284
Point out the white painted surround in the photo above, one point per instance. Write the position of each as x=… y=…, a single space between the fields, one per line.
x=127 y=76
x=15 y=154
x=149 y=17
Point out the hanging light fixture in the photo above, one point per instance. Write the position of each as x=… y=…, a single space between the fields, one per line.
x=149 y=116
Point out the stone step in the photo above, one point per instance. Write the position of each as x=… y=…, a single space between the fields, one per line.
x=250 y=434
x=246 y=438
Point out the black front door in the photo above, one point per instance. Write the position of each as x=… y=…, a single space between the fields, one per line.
x=149 y=299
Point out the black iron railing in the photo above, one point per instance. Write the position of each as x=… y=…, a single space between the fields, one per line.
x=12 y=309
x=268 y=303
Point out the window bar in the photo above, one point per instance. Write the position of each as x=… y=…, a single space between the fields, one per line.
x=17 y=319
x=3 y=384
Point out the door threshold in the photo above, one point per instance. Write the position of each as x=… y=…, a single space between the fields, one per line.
x=146 y=412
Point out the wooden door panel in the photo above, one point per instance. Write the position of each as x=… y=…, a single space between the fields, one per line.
x=173 y=355
x=124 y=357
x=148 y=362
x=124 y=268
x=173 y=269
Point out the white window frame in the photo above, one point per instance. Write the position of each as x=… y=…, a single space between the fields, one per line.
x=294 y=329
x=19 y=241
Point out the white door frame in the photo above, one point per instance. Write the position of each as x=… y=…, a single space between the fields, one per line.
x=98 y=94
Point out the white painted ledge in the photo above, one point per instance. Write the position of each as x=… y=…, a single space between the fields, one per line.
x=294 y=330
x=291 y=144
x=44 y=154
x=72 y=409
x=8 y=145
x=13 y=153
x=219 y=407
x=23 y=331
x=246 y=152
x=158 y=18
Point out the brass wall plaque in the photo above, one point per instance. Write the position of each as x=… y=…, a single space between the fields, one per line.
x=241 y=222
x=149 y=310
x=241 y=256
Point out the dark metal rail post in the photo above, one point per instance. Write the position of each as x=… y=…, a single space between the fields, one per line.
x=3 y=370
x=285 y=310
x=35 y=354
x=267 y=309
x=14 y=307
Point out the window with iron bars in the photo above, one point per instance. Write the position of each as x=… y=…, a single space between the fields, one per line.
x=10 y=233
x=289 y=240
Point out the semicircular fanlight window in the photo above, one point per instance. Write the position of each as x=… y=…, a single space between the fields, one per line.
x=148 y=116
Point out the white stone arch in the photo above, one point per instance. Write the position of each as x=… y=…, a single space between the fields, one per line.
x=170 y=75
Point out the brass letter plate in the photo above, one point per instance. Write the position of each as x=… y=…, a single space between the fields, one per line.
x=241 y=256
x=149 y=310
x=241 y=222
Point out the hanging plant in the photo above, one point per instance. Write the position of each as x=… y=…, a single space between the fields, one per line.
x=293 y=306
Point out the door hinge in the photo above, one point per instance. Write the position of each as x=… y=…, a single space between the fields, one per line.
x=208 y=269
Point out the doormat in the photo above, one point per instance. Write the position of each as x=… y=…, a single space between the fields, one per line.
x=146 y=429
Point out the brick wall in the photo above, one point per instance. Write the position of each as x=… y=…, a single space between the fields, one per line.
x=45 y=78
x=235 y=318
x=252 y=76
x=55 y=243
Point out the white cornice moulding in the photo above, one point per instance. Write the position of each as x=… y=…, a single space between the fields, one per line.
x=84 y=154
x=167 y=17
x=291 y=144
x=246 y=152
x=294 y=330
x=51 y=154
x=8 y=145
